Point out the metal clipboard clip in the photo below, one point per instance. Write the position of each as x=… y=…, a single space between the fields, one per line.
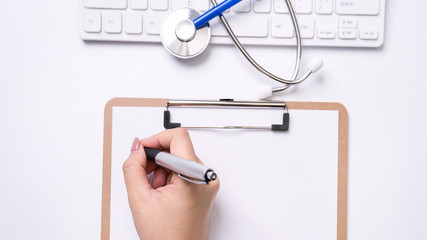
x=284 y=126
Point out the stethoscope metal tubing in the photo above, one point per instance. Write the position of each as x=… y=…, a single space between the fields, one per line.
x=288 y=82
x=179 y=43
x=286 y=86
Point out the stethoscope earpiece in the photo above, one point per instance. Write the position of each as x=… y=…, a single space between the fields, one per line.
x=265 y=91
x=315 y=64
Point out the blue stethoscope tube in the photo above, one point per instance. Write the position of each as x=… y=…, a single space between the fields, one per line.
x=203 y=19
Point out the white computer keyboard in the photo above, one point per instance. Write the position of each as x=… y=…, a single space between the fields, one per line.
x=333 y=23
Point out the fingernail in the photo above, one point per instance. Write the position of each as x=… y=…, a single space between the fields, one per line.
x=135 y=145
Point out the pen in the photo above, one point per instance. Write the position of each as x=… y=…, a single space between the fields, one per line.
x=188 y=170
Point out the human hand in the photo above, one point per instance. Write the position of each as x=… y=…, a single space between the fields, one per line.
x=169 y=207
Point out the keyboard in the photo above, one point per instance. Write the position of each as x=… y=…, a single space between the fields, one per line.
x=323 y=23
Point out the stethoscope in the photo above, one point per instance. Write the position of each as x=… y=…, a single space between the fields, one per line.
x=186 y=33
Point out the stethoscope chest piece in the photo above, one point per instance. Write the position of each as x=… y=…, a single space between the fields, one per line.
x=179 y=35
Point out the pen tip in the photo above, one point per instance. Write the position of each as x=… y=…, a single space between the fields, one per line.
x=211 y=176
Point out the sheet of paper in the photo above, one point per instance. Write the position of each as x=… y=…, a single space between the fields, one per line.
x=274 y=185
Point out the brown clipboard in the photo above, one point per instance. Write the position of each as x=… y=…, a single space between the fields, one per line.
x=161 y=102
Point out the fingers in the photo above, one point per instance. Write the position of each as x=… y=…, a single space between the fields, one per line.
x=159 y=178
x=177 y=141
x=135 y=172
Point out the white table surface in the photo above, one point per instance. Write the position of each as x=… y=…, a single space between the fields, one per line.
x=53 y=88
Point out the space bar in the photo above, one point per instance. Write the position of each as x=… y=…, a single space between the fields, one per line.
x=242 y=26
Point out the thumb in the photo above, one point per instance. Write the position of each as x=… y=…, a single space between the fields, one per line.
x=134 y=171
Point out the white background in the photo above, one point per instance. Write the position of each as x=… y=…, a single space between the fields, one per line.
x=53 y=88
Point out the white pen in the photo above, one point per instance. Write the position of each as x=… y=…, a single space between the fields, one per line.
x=191 y=171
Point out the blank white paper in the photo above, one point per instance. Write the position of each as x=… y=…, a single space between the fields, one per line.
x=274 y=185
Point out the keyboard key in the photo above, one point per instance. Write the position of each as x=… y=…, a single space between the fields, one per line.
x=219 y=30
x=347 y=22
x=133 y=23
x=368 y=34
x=262 y=6
x=325 y=33
x=159 y=5
x=112 y=22
x=347 y=33
x=92 y=22
x=243 y=26
x=281 y=27
x=154 y=22
x=201 y=5
x=303 y=6
x=108 y=4
x=280 y=6
x=324 y=6
x=139 y=4
x=306 y=25
x=254 y=26
x=179 y=3
x=242 y=7
x=358 y=7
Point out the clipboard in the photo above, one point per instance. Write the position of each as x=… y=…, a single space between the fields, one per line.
x=163 y=103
